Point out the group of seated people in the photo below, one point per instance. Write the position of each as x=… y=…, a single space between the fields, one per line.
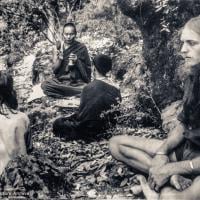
x=72 y=70
x=171 y=165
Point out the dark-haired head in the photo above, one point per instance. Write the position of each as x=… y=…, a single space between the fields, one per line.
x=7 y=93
x=70 y=24
x=103 y=64
x=69 y=33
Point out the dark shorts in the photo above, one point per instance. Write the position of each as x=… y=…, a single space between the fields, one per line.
x=187 y=150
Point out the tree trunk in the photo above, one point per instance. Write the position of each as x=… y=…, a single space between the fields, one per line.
x=160 y=22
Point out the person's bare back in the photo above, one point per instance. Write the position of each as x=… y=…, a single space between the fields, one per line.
x=12 y=130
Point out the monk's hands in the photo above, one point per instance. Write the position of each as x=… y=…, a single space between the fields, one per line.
x=72 y=59
x=158 y=176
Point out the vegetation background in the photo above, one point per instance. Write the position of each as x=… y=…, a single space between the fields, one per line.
x=142 y=37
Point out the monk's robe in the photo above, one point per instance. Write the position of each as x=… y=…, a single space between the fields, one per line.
x=69 y=80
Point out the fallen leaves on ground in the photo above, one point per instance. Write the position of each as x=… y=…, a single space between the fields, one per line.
x=80 y=169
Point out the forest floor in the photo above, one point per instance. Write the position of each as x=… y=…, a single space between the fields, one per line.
x=89 y=165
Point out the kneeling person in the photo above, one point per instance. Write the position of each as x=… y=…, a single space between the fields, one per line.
x=97 y=97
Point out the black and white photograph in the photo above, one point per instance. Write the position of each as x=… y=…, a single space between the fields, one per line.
x=100 y=99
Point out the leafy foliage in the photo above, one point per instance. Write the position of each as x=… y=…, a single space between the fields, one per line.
x=159 y=22
x=34 y=177
x=27 y=22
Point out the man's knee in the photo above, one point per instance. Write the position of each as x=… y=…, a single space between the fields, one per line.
x=58 y=125
x=191 y=192
x=44 y=85
x=194 y=189
x=113 y=143
x=168 y=193
x=114 y=146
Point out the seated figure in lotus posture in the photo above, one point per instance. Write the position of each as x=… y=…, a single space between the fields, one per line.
x=97 y=97
x=14 y=136
x=172 y=165
x=72 y=67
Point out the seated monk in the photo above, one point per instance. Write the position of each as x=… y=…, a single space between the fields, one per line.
x=97 y=97
x=14 y=136
x=172 y=165
x=72 y=67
